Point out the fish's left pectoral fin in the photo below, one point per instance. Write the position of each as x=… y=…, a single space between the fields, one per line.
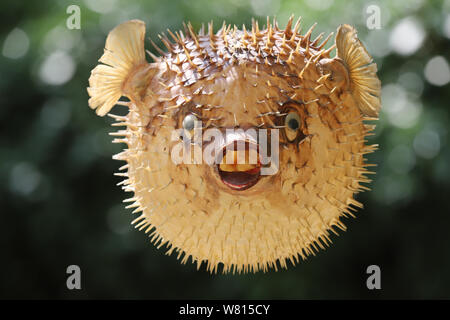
x=124 y=54
x=362 y=70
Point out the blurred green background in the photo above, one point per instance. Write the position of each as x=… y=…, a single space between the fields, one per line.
x=60 y=205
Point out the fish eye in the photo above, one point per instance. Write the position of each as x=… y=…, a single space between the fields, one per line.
x=189 y=122
x=292 y=125
x=189 y=125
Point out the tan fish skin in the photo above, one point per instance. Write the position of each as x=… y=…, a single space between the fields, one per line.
x=269 y=78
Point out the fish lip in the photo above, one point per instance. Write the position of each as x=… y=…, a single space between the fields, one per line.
x=239 y=180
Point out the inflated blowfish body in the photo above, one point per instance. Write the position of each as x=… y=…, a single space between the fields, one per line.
x=229 y=212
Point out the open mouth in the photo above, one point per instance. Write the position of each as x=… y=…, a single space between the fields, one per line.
x=240 y=168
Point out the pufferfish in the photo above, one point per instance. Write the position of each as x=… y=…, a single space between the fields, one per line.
x=228 y=215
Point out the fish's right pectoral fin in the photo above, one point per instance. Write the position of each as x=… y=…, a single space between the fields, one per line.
x=124 y=55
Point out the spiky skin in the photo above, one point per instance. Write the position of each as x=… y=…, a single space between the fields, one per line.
x=245 y=79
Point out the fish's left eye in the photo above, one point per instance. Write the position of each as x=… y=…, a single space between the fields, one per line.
x=189 y=125
x=189 y=122
x=292 y=125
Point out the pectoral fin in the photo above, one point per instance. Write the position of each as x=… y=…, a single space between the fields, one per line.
x=124 y=53
x=364 y=83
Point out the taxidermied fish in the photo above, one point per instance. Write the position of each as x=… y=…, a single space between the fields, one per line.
x=228 y=212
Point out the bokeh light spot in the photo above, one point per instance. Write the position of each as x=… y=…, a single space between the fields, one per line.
x=16 y=44
x=412 y=82
x=378 y=43
x=60 y=38
x=101 y=6
x=437 y=71
x=265 y=7
x=319 y=4
x=57 y=68
x=446 y=28
x=407 y=36
x=24 y=178
x=427 y=144
x=401 y=111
